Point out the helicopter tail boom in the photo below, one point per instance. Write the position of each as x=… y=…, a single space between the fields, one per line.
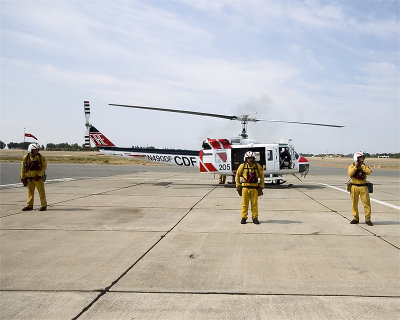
x=179 y=157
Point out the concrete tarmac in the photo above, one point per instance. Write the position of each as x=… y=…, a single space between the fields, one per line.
x=169 y=245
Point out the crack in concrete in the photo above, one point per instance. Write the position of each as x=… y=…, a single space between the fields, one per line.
x=107 y=289
x=338 y=213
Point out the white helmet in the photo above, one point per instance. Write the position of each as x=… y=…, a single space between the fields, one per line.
x=357 y=154
x=249 y=154
x=33 y=146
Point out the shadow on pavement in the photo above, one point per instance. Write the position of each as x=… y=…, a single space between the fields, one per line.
x=281 y=221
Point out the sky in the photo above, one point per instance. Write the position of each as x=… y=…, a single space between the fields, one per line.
x=334 y=62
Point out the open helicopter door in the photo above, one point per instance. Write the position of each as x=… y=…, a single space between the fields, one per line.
x=273 y=164
x=272 y=158
x=292 y=156
x=238 y=156
x=286 y=156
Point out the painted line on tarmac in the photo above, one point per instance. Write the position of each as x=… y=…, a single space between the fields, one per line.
x=18 y=185
x=372 y=199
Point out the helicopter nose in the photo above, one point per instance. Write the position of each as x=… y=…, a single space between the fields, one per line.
x=304 y=165
x=303 y=160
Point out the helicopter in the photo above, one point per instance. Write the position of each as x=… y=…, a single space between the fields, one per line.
x=217 y=156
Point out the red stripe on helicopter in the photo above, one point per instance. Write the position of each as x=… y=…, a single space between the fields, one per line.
x=214 y=143
x=219 y=143
x=201 y=155
x=225 y=143
x=202 y=168
x=210 y=167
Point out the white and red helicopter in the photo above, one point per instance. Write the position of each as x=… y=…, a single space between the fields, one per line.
x=221 y=156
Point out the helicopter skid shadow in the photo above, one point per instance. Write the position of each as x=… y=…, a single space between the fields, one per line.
x=386 y=223
x=54 y=208
x=280 y=186
x=282 y=221
x=295 y=186
x=230 y=186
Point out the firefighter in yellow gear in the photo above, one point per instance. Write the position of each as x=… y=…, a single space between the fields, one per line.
x=222 y=178
x=33 y=169
x=358 y=172
x=252 y=176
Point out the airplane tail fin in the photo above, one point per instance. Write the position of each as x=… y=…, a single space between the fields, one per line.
x=92 y=133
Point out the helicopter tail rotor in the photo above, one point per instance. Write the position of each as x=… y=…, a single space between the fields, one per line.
x=86 y=107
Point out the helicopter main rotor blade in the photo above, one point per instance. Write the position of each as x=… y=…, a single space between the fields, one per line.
x=179 y=111
x=243 y=118
x=308 y=123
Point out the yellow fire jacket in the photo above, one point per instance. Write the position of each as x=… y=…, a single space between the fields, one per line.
x=244 y=170
x=352 y=170
x=28 y=173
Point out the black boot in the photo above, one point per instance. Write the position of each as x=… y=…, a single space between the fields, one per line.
x=243 y=221
x=255 y=221
x=27 y=209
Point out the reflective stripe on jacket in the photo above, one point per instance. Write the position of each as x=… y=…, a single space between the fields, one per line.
x=352 y=170
x=243 y=172
x=33 y=173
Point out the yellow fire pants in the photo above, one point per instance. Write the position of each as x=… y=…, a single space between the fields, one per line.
x=252 y=196
x=356 y=192
x=32 y=184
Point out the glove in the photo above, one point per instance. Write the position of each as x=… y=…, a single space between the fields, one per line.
x=239 y=190
x=24 y=181
x=260 y=192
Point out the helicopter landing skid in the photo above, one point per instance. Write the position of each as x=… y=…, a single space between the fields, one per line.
x=276 y=180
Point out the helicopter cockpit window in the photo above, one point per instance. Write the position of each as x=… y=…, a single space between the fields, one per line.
x=205 y=145
x=221 y=157
x=296 y=155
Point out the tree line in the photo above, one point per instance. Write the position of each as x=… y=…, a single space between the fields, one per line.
x=350 y=155
x=55 y=146
x=50 y=146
